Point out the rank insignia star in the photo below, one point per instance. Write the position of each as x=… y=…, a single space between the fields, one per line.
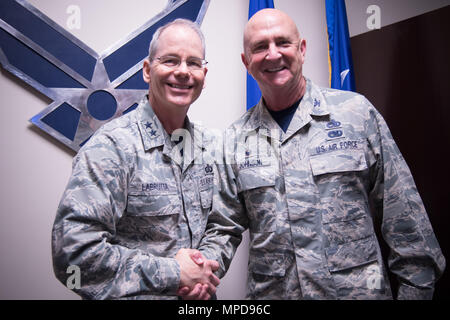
x=316 y=103
x=148 y=125
x=88 y=89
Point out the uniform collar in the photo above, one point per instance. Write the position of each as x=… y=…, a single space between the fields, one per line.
x=314 y=101
x=313 y=104
x=154 y=135
x=152 y=132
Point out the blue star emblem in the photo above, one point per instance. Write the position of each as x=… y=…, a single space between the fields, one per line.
x=153 y=133
x=148 y=125
x=316 y=103
x=88 y=89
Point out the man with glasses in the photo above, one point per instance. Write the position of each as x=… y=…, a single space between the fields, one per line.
x=313 y=172
x=141 y=187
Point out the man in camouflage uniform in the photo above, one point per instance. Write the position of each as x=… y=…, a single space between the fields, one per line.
x=136 y=197
x=311 y=194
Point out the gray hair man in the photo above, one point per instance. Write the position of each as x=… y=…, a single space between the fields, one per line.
x=137 y=197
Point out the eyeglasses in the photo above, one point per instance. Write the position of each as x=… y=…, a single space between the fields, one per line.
x=172 y=62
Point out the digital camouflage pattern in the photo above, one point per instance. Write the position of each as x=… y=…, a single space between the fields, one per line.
x=131 y=203
x=312 y=197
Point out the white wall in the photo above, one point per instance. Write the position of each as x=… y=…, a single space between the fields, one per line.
x=34 y=168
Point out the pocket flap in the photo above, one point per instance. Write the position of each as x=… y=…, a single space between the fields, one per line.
x=338 y=161
x=268 y=264
x=351 y=254
x=153 y=205
x=256 y=177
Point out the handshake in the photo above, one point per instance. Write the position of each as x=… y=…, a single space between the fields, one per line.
x=197 y=280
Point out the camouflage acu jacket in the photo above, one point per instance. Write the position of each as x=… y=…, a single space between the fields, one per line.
x=130 y=205
x=312 y=197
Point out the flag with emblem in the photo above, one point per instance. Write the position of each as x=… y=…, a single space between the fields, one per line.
x=253 y=92
x=339 y=54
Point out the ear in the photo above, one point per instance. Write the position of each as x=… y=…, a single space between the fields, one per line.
x=146 y=71
x=205 y=70
x=246 y=63
x=302 y=48
x=244 y=60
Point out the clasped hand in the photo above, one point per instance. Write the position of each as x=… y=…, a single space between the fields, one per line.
x=197 y=280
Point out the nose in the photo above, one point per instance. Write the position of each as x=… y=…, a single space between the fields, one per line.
x=272 y=52
x=182 y=69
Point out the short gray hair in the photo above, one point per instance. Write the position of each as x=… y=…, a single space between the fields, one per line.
x=184 y=22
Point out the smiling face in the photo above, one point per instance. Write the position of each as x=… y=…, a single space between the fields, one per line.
x=175 y=88
x=273 y=51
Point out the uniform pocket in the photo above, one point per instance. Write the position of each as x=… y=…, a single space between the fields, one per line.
x=206 y=197
x=150 y=219
x=342 y=232
x=145 y=205
x=258 y=188
x=341 y=180
x=356 y=271
x=266 y=277
x=255 y=173
x=272 y=264
x=352 y=254
x=338 y=161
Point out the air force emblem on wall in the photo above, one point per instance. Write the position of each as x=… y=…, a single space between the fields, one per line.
x=88 y=89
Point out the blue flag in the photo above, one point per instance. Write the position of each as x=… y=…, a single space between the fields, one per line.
x=253 y=92
x=340 y=54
